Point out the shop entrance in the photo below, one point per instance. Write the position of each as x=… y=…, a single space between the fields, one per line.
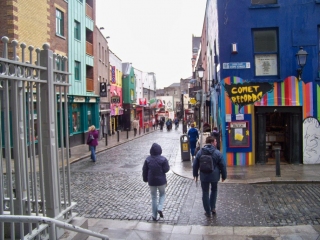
x=278 y=127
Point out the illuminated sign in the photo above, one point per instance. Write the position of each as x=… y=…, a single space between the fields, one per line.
x=247 y=93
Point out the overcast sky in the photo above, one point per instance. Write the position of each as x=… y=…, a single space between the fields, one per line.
x=154 y=35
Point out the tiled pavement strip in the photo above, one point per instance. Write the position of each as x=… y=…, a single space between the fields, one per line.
x=135 y=229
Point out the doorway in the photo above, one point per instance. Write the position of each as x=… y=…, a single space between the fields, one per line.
x=278 y=127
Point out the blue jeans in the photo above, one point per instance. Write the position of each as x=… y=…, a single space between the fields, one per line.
x=157 y=206
x=193 y=147
x=93 y=153
x=209 y=204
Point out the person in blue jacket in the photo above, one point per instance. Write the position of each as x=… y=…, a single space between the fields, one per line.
x=193 y=137
x=207 y=179
x=154 y=172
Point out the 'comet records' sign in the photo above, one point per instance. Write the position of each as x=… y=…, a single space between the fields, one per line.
x=247 y=93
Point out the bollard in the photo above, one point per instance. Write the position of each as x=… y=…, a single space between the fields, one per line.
x=118 y=137
x=127 y=134
x=277 y=153
x=106 y=138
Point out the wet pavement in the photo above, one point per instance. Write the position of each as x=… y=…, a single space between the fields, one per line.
x=113 y=190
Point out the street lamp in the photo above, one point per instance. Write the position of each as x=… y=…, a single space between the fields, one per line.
x=301 y=56
x=200 y=72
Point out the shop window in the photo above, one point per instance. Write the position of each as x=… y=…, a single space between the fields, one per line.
x=59 y=22
x=89 y=118
x=77 y=30
x=266 y=52
x=263 y=2
x=76 y=118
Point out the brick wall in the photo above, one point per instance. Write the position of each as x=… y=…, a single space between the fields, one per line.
x=57 y=43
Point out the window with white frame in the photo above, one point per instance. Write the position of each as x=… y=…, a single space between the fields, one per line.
x=59 y=22
x=266 y=53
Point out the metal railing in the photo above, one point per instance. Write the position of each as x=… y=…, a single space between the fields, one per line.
x=44 y=223
x=34 y=138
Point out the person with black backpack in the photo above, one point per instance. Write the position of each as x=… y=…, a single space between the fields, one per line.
x=210 y=162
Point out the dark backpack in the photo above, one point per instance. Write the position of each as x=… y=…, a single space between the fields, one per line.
x=206 y=163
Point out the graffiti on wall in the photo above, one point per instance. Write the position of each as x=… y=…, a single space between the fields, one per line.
x=311 y=141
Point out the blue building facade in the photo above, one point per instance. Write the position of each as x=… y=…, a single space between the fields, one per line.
x=262 y=104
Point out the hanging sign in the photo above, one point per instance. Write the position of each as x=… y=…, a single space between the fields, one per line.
x=115 y=99
x=247 y=93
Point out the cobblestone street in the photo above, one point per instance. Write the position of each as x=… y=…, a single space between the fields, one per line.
x=113 y=189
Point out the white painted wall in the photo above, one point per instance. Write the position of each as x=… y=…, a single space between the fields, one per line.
x=311 y=141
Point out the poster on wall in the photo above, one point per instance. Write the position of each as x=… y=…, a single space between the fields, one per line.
x=266 y=65
x=239 y=135
x=247 y=93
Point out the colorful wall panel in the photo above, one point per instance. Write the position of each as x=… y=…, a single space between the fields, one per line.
x=290 y=92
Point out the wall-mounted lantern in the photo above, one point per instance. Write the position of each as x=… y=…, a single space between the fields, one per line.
x=301 y=56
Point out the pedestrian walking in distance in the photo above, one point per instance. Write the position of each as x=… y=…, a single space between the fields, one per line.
x=92 y=141
x=207 y=178
x=135 y=125
x=193 y=137
x=154 y=172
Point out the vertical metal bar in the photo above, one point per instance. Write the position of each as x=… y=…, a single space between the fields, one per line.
x=29 y=127
x=40 y=152
x=52 y=231
x=48 y=125
x=25 y=168
x=66 y=123
x=62 y=148
x=7 y=140
x=18 y=140
x=6 y=110
x=39 y=130
x=33 y=156
x=1 y=168
x=26 y=126
x=54 y=89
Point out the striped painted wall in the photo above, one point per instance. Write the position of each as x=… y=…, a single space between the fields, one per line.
x=290 y=92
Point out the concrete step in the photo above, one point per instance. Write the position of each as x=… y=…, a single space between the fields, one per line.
x=72 y=235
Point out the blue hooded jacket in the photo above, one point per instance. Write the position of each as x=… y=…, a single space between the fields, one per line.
x=218 y=162
x=155 y=167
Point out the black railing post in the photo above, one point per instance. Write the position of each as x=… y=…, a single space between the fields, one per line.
x=106 y=138
x=118 y=135
x=278 y=172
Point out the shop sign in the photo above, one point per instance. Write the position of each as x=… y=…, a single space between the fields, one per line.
x=142 y=101
x=115 y=99
x=247 y=93
x=79 y=99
